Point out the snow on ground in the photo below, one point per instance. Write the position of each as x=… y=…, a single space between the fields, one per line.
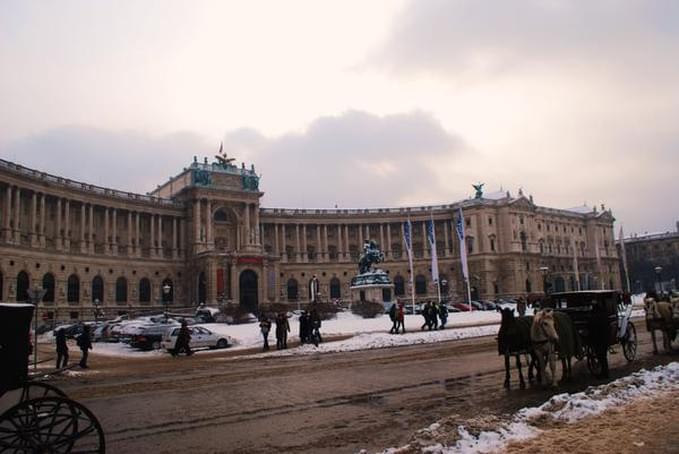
x=475 y=436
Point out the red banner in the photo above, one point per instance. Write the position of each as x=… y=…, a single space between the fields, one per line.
x=220 y=281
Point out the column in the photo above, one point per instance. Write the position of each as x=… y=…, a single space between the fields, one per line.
x=247 y=230
x=107 y=244
x=258 y=237
x=446 y=236
x=425 y=242
x=208 y=226
x=276 y=249
x=114 y=235
x=367 y=232
x=17 y=216
x=297 y=244
x=346 y=241
x=67 y=225
x=284 y=246
x=160 y=235
x=180 y=242
x=91 y=230
x=137 y=234
x=326 y=249
x=8 y=216
x=382 y=236
x=152 y=251
x=175 y=252
x=340 y=250
x=129 y=234
x=359 y=227
x=387 y=254
x=42 y=220
x=305 y=254
x=58 y=238
x=34 y=220
x=196 y=222
x=319 y=246
x=83 y=224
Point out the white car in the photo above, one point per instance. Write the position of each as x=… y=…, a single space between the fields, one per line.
x=200 y=338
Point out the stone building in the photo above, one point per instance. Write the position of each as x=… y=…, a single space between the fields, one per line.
x=202 y=236
x=652 y=259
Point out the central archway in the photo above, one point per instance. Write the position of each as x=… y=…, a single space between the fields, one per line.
x=248 y=291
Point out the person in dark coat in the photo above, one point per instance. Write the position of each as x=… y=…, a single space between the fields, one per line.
x=62 y=348
x=521 y=306
x=85 y=344
x=434 y=316
x=393 y=310
x=265 y=327
x=304 y=328
x=400 y=318
x=315 y=325
x=282 y=330
x=183 y=341
x=443 y=314
x=426 y=313
x=599 y=333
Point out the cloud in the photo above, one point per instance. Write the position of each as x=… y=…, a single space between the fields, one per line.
x=126 y=160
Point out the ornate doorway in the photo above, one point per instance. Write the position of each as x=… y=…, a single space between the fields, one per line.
x=248 y=291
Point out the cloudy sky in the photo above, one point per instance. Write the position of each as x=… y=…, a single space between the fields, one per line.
x=355 y=103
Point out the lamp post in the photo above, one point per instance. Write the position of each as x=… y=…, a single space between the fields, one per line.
x=36 y=294
x=166 y=297
x=658 y=270
x=545 y=271
x=96 y=303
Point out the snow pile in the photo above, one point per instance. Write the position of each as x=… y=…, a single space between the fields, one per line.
x=490 y=434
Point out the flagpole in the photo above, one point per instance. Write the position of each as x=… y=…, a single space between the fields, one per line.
x=407 y=239
x=624 y=260
x=434 y=255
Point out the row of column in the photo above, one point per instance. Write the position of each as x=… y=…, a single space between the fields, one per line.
x=62 y=238
x=249 y=231
x=379 y=232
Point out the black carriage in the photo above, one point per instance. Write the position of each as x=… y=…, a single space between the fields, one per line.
x=581 y=306
x=36 y=417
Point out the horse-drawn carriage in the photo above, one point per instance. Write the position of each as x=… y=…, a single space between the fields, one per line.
x=583 y=306
x=36 y=417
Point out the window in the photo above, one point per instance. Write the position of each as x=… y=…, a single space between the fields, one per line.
x=73 y=289
x=420 y=285
x=490 y=221
x=335 y=288
x=23 y=283
x=144 y=291
x=524 y=241
x=48 y=285
x=121 y=290
x=529 y=286
x=492 y=244
x=98 y=289
x=399 y=286
x=470 y=245
x=293 y=290
x=167 y=290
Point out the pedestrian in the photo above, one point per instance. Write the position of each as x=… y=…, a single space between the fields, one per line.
x=434 y=316
x=315 y=326
x=599 y=335
x=304 y=328
x=427 y=316
x=521 y=306
x=401 y=319
x=443 y=313
x=62 y=348
x=282 y=330
x=183 y=343
x=393 y=315
x=265 y=327
x=85 y=343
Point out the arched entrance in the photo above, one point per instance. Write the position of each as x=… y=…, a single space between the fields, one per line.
x=202 y=288
x=248 y=291
x=22 y=287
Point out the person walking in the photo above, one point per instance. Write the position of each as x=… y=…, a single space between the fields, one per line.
x=265 y=327
x=434 y=316
x=183 y=341
x=85 y=343
x=400 y=318
x=426 y=314
x=62 y=349
x=304 y=328
x=314 y=327
x=443 y=314
x=393 y=315
x=282 y=330
x=521 y=306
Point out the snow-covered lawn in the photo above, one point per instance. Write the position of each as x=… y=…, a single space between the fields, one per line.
x=475 y=437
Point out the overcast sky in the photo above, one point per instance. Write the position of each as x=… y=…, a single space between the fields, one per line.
x=355 y=103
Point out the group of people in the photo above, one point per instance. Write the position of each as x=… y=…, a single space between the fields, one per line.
x=397 y=316
x=432 y=312
x=84 y=342
x=309 y=329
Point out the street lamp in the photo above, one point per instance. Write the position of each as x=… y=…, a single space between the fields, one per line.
x=658 y=270
x=96 y=303
x=166 y=297
x=36 y=295
x=545 y=271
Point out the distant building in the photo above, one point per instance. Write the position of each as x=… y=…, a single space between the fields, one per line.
x=645 y=253
x=203 y=237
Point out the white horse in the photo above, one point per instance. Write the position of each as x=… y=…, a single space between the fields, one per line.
x=660 y=315
x=544 y=338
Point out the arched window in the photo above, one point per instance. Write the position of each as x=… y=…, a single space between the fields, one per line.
x=293 y=290
x=98 y=289
x=22 y=286
x=335 y=288
x=167 y=290
x=529 y=286
x=121 y=290
x=420 y=285
x=48 y=286
x=399 y=285
x=445 y=285
x=396 y=250
x=73 y=289
x=221 y=216
x=332 y=252
x=144 y=290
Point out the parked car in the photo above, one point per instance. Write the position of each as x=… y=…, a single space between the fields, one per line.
x=462 y=307
x=451 y=308
x=200 y=338
x=488 y=305
x=151 y=337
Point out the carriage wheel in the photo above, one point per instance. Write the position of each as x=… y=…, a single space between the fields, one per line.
x=34 y=390
x=50 y=425
x=629 y=343
x=592 y=361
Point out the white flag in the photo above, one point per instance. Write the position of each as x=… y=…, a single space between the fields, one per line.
x=459 y=228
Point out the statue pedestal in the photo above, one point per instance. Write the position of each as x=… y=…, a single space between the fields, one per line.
x=373 y=287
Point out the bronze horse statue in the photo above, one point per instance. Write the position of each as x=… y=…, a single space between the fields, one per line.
x=371 y=255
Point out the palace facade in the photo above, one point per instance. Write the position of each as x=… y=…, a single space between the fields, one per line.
x=203 y=237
